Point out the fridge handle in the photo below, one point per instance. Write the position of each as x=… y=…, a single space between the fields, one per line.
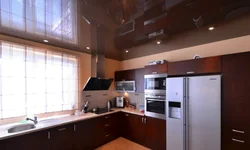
x=184 y=112
x=187 y=114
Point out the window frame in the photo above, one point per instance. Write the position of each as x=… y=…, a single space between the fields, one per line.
x=45 y=114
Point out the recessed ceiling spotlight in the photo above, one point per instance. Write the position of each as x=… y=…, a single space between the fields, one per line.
x=46 y=41
x=87 y=47
x=126 y=51
x=158 y=42
x=211 y=28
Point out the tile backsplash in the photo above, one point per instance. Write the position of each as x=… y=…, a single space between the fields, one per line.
x=135 y=98
x=100 y=98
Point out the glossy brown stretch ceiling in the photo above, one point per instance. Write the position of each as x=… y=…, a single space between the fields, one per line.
x=226 y=30
x=118 y=10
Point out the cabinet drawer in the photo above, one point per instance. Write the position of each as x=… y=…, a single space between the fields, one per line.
x=235 y=139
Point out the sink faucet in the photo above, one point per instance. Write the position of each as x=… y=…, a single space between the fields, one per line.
x=34 y=120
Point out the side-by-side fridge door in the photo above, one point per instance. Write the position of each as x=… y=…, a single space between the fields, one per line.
x=175 y=102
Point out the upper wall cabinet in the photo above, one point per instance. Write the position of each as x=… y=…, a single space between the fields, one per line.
x=196 y=66
x=126 y=75
x=157 y=69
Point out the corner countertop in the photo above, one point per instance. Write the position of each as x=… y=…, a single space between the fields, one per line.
x=59 y=121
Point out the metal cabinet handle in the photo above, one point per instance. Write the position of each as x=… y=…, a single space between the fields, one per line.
x=107 y=135
x=126 y=115
x=107 y=117
x=142 y=120
x=238 y=131
x=239 y=141
x=145 y=120
x=62 y=129
x=107 y=125
x=190 y=72
x=74 y=127
x=48 y=135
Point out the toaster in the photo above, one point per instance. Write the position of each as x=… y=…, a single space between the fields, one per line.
x=120 y=102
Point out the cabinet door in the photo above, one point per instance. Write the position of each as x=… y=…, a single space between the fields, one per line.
x=236 y=104
x=61 y=138
x=37 y=141
x=155 y=132
x=197 y=66
x=139 y=80
x=84 y=139
x=126 y=75
x=133 y=128
x=157 y=69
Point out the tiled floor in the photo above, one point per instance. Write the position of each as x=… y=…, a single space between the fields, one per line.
x=122 y=144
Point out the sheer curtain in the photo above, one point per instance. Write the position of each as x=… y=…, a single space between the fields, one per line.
x=50 y=18
x=35 y=81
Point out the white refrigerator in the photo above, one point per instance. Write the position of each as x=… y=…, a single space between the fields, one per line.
x=193 y=113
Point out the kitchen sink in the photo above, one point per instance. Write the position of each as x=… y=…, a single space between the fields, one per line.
x=21 y=127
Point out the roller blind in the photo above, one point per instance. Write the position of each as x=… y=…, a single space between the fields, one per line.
x=49 y=18
x=36 y=81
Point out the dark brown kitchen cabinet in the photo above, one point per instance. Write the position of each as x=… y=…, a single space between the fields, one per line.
x=147 y=131
x=32 y=141
x=236 y=101
x=110 y=124
x=133 y=128
x=125 y=75
x=155 y=131
x=139 y=80
x=93 y=133
x=61 y=138
x=157 y=69
x=207 y=65
x=84 y=139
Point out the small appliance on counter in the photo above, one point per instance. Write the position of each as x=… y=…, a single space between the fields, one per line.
x=120 y=102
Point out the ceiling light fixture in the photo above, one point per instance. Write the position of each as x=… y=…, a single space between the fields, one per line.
x=211 y=28
x=126 y=51
x=158 y=42
x=46 y=41
x=87 y=47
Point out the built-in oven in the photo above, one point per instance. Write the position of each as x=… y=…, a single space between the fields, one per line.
x=155 y=106
x=155 y=84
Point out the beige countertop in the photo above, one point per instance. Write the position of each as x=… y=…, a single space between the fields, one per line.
x=59 y=121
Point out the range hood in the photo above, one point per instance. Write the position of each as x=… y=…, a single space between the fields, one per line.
x=97 y=81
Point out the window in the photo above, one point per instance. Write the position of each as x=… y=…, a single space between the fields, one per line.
x=50 y=18
x=36 y=81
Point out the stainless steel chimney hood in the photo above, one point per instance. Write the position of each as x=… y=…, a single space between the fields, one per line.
x=97 y=80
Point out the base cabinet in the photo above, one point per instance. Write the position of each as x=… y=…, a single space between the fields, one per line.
x=84 y=139
x=147 y=131
x=34 y=141
x=155 y=129
x=93 y=133
x=60 y=138
x=133 y=128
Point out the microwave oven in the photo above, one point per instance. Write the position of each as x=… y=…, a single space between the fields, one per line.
x=125 y=86
x=155 y=84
